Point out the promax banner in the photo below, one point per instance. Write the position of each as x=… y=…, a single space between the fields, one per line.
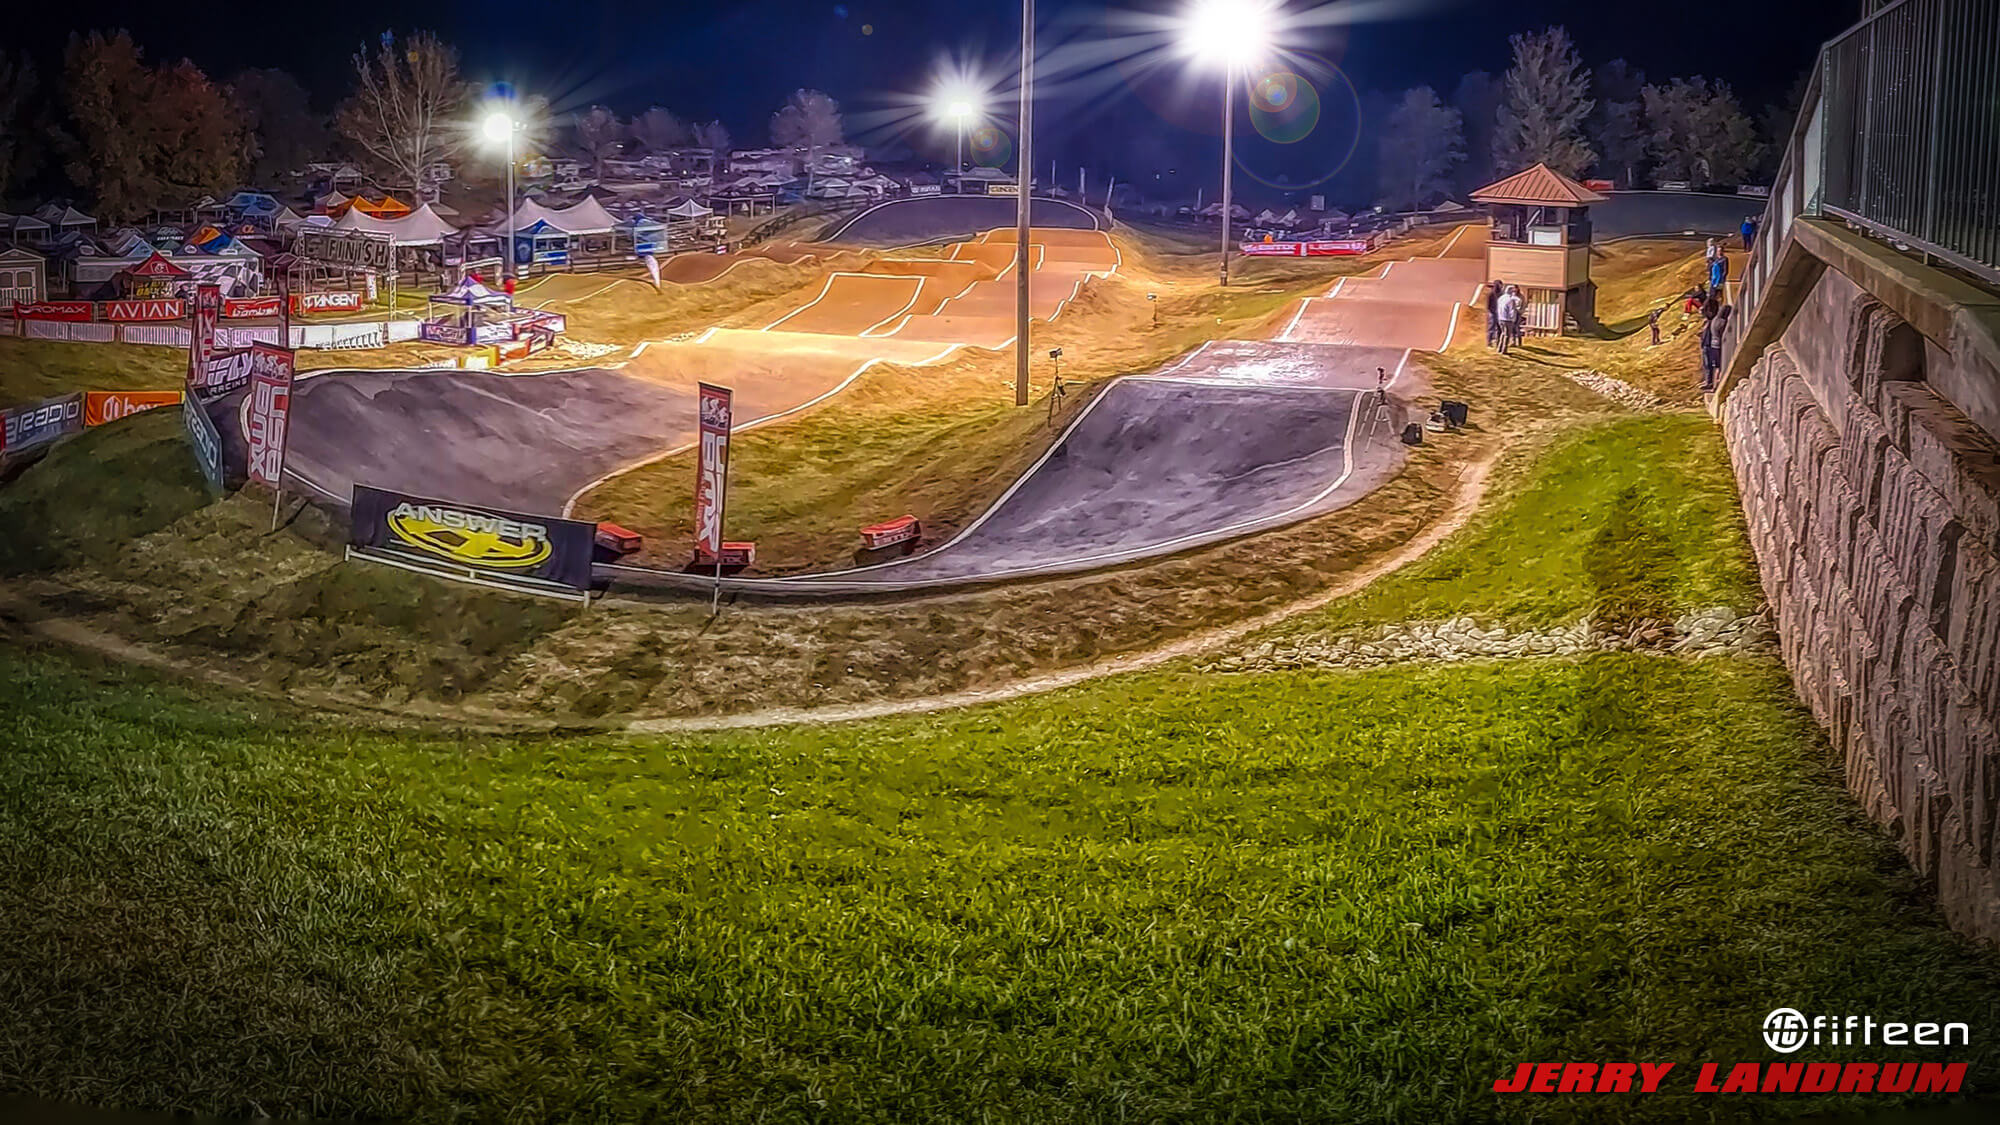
x=537 y=554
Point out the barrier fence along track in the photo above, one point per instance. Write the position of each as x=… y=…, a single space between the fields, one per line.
x=1899 y=134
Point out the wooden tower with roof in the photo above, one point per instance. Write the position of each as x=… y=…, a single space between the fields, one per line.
x=1540 y=242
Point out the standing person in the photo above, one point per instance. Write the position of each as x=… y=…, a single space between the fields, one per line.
x=1494 y=289
x=1711 y=346
x=1510 y=317
x=1749 y=232
x=1718 y=271
x=1653 y=322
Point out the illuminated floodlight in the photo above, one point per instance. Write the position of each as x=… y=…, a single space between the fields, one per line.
x=499 y=126
x=1230 y=34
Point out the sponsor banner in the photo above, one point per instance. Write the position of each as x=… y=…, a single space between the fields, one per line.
x=100 y=407
x=1272 y=249
x=238 y=307
x=1003 y=189
x=223 y=372
x=38 y=423
x=326 y=302
x=270 y=404
x=1336 y=247
x=1599 y=185
x=204 y=441
x=1674 y=185
x=712 y=477
x=207 y=303
x=926 y=189
x=54 y=310
x=1755 y=190
x=510 y=548
x=158 y=309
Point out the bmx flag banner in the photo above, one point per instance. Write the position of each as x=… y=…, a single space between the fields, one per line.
x=270 y=412
x=712 y=479
x=201 y=341
x=538 y=554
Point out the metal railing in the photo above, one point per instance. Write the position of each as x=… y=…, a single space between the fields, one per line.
x=1899 y=135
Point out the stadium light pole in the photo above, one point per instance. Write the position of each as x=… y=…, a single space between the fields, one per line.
x=1024 y=171
x=960 y=110
x=501 y=126
x=1230 y=34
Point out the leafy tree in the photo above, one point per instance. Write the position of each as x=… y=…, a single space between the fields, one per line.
x=1477 y=100
x=1777 y=120
x=284 y=133
x=145 y=136
x=1424 y=140
x=808 y=122
x=598 y=130
x=1697 y=132
x=1618 y=127
x=658 y=129
x=408 y=106
x=17 y=90
x=716 y=140
x=1547 y=103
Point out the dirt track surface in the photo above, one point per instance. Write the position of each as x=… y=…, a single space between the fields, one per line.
x=1370 y=324
x=940 y=218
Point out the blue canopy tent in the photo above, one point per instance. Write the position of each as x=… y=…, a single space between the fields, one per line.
x=541 y=243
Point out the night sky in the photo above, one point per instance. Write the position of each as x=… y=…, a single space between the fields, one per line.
x=736 y=61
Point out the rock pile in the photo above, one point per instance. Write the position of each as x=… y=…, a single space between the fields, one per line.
x=1714 y=631
x=1617 y=390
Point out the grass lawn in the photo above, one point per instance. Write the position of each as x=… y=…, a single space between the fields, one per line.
x=1628 y=519
x=1284 y=897
x=35 y=369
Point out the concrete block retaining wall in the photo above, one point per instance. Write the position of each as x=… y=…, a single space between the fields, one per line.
x=1874 y=508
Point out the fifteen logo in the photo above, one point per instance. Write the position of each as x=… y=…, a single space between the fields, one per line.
x=1787 y=1030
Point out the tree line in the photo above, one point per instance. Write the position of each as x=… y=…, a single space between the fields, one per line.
x=1550 y=108
x=132 y=135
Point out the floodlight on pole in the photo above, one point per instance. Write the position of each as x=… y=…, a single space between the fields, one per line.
x=960 y=110
x=499 y=126
x=1231 y=35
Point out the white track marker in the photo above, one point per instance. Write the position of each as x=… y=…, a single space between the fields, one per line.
x=907 y=306
x=1335 y=291
x=1287 y=333
x=1453 y=328
x=1453 y=241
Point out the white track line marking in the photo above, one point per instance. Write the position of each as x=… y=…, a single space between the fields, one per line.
x=893 y=202
x=1335 y=291
x=1452 y=329
x=907 y=305
x=1454 y=239
x=1286 y=335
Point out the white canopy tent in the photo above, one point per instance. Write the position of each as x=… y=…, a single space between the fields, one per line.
x=421 y=227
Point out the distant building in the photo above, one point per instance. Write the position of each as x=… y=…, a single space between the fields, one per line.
x=24 y=277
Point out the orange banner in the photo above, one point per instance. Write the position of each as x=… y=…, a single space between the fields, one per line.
x=100 y=407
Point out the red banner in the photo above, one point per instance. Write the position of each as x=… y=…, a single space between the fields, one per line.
x=270 y=409
x=100 y=407
x=1342 y=246
x=890 y=532
x=236 y=307
x=159 y=309
x=711 y=487
x=75 y=311
x=201 y=340
x=326 y=302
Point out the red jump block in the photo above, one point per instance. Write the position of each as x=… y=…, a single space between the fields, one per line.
x=888 y=533
x=622 y=540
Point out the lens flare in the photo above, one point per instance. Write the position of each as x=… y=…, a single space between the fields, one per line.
x=990 y=146
x=1283 y=107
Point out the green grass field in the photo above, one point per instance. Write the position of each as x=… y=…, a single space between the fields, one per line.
x=1285 y=897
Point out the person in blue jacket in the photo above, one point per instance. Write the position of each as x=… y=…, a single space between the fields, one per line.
x=1749 y=231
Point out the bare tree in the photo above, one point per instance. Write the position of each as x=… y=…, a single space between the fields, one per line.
x=715 y=139
x=1543 y=117
x=1424 y=139
x=408 y=105
x=659 y=130
x=598 y=130
x=808 y=121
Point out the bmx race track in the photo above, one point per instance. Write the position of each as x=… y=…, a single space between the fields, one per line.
x=1235 y=437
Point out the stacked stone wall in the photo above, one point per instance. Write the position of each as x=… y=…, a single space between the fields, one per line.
x=1874 y=508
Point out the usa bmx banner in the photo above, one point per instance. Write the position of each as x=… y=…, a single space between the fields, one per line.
x=201 y=341
x=711 y=487
x=538 y=554
x=270 y=409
